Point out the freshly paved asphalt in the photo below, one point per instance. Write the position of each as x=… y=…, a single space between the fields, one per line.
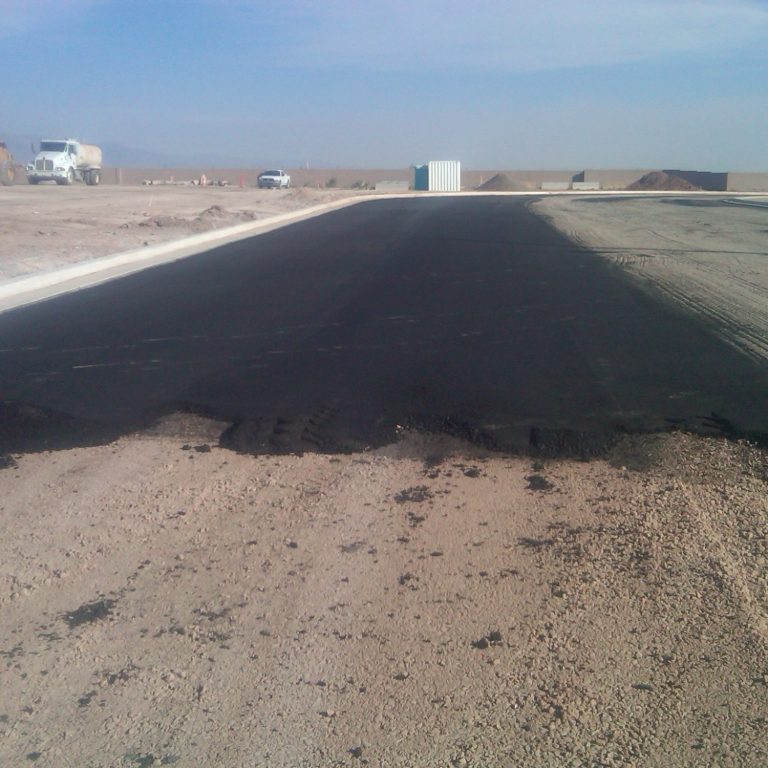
x=470 y=316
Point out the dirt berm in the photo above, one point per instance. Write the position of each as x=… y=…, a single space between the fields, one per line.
x=500 y=183
x=662 y=182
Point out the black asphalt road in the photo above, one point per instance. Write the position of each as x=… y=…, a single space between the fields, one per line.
x=470 y=316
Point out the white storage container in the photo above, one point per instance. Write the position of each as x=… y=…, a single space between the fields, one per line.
x=444 y=175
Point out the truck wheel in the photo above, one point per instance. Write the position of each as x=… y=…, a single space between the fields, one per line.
x=94 y=178
x=70 y=177
x=32 y=180
x=7 y=173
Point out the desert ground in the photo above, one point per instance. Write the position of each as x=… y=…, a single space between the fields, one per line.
x=166 y=601
x=46 y=227
x=709 y=255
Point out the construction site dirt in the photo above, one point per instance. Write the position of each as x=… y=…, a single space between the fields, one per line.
x=47 y=227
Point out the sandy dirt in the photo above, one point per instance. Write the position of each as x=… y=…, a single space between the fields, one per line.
x=169 y=602
x=707 y=256
x=46 y=227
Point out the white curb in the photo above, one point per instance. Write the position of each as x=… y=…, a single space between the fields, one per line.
x=34 y=288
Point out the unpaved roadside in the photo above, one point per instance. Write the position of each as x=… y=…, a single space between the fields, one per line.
x=167 y=602
x=48 y=227
x=705 y=254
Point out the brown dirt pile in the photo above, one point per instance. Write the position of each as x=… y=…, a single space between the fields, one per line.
x=658 y=180
x=499 y=183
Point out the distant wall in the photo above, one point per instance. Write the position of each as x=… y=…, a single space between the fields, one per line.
x=524 y=181
x=748 y=182
x=391 y=185
x=615 y=178
x=344 y=177
x=712 y=182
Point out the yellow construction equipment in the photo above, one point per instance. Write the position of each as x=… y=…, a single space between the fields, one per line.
x=7 y=167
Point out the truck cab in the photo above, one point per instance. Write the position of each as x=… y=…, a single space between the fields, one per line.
x=65 y=161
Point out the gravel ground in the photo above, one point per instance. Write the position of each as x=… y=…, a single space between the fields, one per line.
x=166 y=601
x=169 y=602
x=704 y=254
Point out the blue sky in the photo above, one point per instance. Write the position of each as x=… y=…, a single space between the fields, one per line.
x=566 y=84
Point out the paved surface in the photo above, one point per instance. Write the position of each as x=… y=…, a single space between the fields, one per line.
x=463 y=315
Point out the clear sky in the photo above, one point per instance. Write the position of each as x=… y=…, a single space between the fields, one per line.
x=497 y=84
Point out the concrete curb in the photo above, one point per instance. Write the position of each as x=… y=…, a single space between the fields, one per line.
x=34 y=288
x=30 y=289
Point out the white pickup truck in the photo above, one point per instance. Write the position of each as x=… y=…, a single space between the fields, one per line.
x=274 y=180
x=65 y=161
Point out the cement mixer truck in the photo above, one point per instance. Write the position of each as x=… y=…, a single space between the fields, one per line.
x=65 y=161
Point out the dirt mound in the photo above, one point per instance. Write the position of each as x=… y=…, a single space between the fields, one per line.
x=499 y=183
x=214 y=212
x=158 y=221
x=658 y=180
x=211 y=218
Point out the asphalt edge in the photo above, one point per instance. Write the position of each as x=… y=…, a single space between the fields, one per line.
x=31 y=289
